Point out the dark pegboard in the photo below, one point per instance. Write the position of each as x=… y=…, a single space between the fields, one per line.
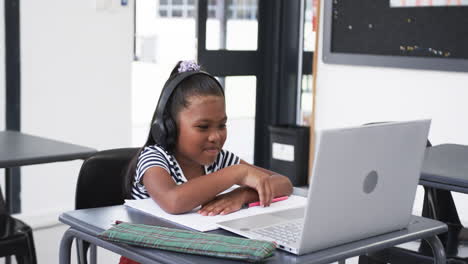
x=373 y=27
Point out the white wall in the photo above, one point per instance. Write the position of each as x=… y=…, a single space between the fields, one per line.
x=353 y=95
x=2 y=67
x=2 y=78
x=76 y=87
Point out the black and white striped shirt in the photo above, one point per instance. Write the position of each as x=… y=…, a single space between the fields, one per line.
x=155 y=155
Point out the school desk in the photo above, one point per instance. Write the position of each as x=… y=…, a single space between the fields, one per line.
x=445 y=169
x=86 y=224
x=19 y=149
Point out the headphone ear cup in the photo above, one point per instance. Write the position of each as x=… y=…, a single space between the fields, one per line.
x=170 y=133
x=158 y=132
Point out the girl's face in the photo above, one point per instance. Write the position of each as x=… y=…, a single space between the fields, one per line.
x=201 y=130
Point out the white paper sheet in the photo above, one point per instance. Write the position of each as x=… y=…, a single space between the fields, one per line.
x=206 y=223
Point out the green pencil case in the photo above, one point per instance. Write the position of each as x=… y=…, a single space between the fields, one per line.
x=189 y=242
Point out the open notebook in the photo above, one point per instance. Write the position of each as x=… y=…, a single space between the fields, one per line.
x=202 y=223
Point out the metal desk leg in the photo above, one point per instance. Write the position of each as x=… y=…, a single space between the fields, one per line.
x=439 y=204
x=8 y=186
x=71 y=233
x=65 y=246
x=437 y=249
x=93 y=254
x=82 y=249
x=10 y=183
x=12 y=190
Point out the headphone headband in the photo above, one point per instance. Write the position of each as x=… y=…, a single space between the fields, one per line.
x=158 y=131
x=170 y=86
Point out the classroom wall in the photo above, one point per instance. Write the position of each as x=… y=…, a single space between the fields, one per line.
x=2 y=77
x=76 y=87
x=354 y=95
x=2 y=67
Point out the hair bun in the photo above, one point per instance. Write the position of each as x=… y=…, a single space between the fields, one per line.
x=188 y=66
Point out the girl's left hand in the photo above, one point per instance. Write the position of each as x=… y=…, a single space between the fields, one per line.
x=224 y=204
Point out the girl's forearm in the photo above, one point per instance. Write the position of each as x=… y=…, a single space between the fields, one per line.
x=203 y=189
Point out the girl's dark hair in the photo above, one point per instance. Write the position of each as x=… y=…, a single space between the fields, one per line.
x=195 y=85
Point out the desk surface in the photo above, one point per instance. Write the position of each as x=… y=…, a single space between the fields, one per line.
x=446 y=167
x=18 y=149
x=94 y=221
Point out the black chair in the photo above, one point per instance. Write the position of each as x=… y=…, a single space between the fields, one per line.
x=16 y=238
x=100 y=183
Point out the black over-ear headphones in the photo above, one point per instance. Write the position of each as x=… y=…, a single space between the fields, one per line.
x=163 y=129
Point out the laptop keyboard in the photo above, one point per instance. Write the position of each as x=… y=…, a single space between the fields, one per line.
x=288 y=232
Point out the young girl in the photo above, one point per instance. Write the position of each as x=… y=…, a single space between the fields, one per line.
x=183 y=165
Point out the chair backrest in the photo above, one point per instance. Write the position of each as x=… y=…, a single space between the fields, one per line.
x=101 y=178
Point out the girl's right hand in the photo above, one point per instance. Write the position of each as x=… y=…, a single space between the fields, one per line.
x=260 y=181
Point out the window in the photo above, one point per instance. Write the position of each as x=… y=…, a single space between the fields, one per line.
x=242 y=9
x=229 y=30
x=309 y=24
x=232 y=25
x=240 y=94
x=309 y=46
x=176 y=8
x=157 y=49
x=236 y=9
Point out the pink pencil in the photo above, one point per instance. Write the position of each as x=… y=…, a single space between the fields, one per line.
x=277 y=199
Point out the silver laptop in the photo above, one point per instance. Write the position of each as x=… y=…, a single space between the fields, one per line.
x=363 y=184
